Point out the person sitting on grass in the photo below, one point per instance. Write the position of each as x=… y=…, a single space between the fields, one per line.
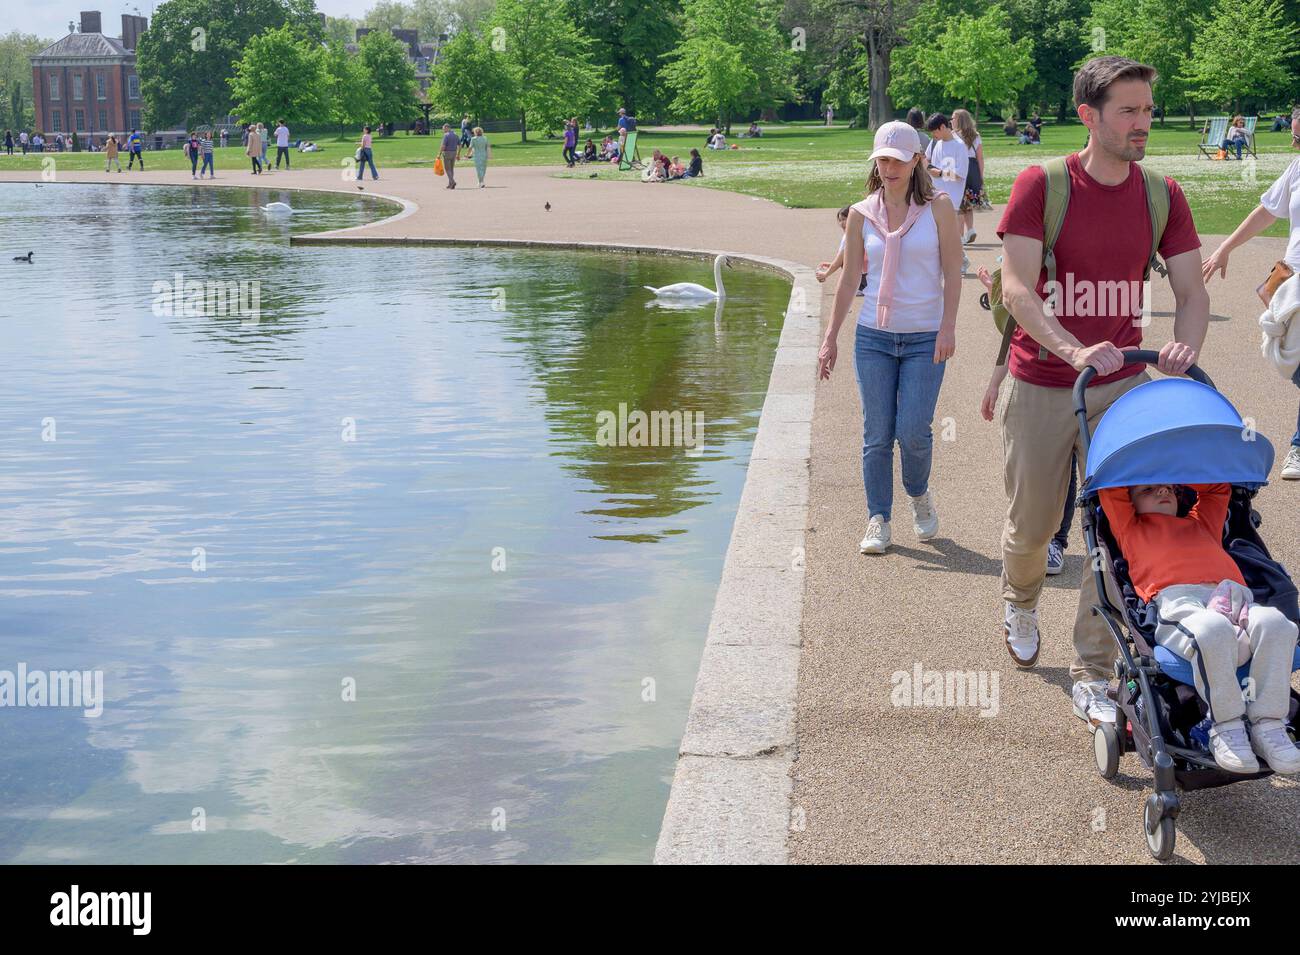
x=1029 y=135
x=676 y=169
x=754 y=132
x=1208 y=616
x=589 y=152
x=696 y=169
x=1009 y=128
x=719 y=141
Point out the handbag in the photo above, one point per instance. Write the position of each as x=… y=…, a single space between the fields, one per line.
x=1281 y=272
x=438 y=168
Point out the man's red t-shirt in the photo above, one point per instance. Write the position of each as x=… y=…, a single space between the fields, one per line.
x=1100 y=257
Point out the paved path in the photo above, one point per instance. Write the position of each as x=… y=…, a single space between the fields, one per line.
x=873 y=783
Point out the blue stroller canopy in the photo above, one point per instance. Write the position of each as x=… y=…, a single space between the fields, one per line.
x=1175 y=431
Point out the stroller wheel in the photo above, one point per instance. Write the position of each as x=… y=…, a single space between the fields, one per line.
x=1106 y=747
x=1160 y=837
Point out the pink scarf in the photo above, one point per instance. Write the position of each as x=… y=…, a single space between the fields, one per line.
x=873 y=209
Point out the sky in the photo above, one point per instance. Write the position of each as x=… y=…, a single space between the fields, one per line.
x=49 y=19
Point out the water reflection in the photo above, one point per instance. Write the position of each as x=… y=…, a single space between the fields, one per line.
x=350 y=468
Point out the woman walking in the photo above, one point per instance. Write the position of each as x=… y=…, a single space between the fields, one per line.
x=254 y=149
x=1281 y=201
x=365 y=155
x=110 y=153
x=265 y=141
x=192 y=151
x=964 y=124
x=481 y=150
x=907 y=231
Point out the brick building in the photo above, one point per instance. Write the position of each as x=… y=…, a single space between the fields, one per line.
x=86 y=82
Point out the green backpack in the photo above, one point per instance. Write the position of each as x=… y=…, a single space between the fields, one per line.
x=1057 y=201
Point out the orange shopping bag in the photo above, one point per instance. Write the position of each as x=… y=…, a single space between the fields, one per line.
x=438 y=169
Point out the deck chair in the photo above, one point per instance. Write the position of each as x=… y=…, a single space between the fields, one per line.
x=1250 y=135
x=1212 y=141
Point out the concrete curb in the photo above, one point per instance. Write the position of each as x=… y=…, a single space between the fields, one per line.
x=731 y=789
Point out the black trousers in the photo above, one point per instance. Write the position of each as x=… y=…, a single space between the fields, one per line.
x=281 y=151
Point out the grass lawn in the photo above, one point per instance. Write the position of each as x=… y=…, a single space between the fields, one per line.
x=803 y=165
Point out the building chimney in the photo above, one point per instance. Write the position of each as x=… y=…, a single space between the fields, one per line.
x=132 y=28
x=90 y=22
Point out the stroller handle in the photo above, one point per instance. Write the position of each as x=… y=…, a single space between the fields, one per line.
x=1141 y=356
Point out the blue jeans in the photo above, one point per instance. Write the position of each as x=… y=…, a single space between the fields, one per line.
x=366 y=157
x=207 y=166
x=1229 y=144
x=899 y=384
x=1295 y=441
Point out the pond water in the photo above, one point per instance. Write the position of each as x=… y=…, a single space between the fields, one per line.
x=363 y=578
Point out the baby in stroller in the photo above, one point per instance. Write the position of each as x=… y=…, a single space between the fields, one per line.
x=1179 y=563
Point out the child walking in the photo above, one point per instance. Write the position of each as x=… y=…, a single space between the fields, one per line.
x=1180 y=563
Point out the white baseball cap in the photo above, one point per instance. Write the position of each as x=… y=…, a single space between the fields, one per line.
x=897 y=140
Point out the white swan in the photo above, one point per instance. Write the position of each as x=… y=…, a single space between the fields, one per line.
x=277 y=207
x=690 y=291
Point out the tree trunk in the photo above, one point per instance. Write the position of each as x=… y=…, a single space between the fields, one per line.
x=1163 y=110
x=1191 y=113
x=523 y=126
x=880 y=107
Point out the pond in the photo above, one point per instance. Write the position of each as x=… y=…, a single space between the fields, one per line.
x=364 y=572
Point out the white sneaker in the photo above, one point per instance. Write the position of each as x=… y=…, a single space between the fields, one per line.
x=1291 y=466
x=1091 y=703
x=965 y=263
x=1230 y=747
x=1269 y=741
x=968 y=238
x=925 y=520
x=877 y=539
x=1055 y=558
x=1020 y=629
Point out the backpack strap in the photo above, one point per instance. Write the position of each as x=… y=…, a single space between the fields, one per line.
x=1157 y=192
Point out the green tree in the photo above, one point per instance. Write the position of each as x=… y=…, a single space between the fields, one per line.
x=383 y=58
x=975 y=60
x=351 y=90
x=550 y=59
x=1240 y=51
x=732 y=59
x=1159 y=33
x=282 y=76
x=387 y=15
x=876 y=29
x=16 y=50
x=1051 y=27
x=340 y=30
x=630 y=39
x=473 y=78
x=185 y=76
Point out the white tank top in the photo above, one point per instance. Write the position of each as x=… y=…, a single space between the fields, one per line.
x=918 y=286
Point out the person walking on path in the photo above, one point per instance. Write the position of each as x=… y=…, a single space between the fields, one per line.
x=830 y=113
x=110 y=154
x=205 y=147
x=570 y=152
x=481 y=150
x=9 y=143
x=1053 y=343
x=450 y=145
x=225 y=137
x=1281 y=201
x=906 y=231
x=365 y=154
x=254 y=149
x=135 y=146
x=192 y=152
x=949 y=160
x=964 y=124
x=264 y=139
x=916 y=119
x=281 y=144
x=23 y=140
x=465 y=137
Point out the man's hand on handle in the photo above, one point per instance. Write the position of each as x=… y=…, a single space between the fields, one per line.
x=1175 y=358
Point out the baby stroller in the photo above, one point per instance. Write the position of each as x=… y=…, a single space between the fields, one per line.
x=1172 y=431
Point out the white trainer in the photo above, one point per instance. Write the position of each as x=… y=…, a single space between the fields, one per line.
x=925 y=519
x=1230 y=747
x=1091 y=704
x=1270 y=742
x=968 y=238
x=1291 y=466
x=1020 y=629
x=1055 y=558
x=877 y=539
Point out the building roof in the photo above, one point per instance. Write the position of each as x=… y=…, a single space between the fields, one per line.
x=84 y=44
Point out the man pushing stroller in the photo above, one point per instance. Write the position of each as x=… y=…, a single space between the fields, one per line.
x=1208 y=616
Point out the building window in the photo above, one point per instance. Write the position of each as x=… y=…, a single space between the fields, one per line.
x=103 y=121
x=100 y=92
x=80 y=115
x=54 y=86
x=135 y=119
x=58 y=122
x=133 y=86
x=77 y=86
